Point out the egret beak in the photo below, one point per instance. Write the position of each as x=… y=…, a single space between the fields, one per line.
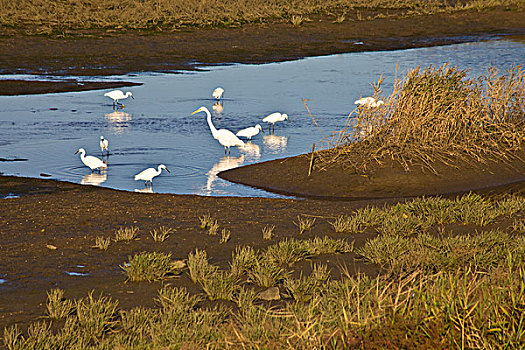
x=132 y=97
x=76 y=152
x=197 y=111
x=262 y=130
x=167 y=170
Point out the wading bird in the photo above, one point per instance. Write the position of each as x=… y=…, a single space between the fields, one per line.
x=117 y=95
x=217 y=93
x=149 y=173
x=369 y=102
x=274 y=118
x=250 y=132
x=224 y=136
x=90 y=161
x=104 y=145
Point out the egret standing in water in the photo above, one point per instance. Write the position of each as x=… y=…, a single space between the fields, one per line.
x=117 y=95
x=104 y=145
x=149 y=173
x=250 y=132
x=224 y=136
x=92 y=162
x=274 y=118
x=217 y=93
x=369 y=102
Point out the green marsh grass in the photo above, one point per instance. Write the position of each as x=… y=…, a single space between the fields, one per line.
x=126 y=233
x=267 y=232
x=161 y=234
x=304 y=223
x=449 y=292
x=225 y=235
x=442 y=290
x=148 y=266
x=102 y=243
x=57 y=306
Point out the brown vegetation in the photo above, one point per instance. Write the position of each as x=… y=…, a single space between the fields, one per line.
x=434 y=116
x=62 y=16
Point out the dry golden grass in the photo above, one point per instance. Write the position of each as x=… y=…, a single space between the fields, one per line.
x=436 y=115
x=59 y=16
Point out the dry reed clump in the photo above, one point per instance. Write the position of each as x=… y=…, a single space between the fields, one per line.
x=60 y=16
x=436 y=115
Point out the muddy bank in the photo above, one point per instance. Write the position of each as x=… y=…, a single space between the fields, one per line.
x=111 y=53
x=290 y=176
x=48 y=234
x=24 y=87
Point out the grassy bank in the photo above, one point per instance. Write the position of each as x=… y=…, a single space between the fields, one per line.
x=62 y=16
x=436 y=116
x=453 y=276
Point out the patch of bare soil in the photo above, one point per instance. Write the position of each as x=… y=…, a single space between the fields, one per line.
x=389 y=180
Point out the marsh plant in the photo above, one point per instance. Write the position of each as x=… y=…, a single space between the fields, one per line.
x=161 y=234
x=148 y=266
x=36 y=16
x=199 y=267
x=205 y=221
x=243 y=260
x=304 y=223
x=57 y=306
x=177 y=299
x=304 y=289
x=267 y=232
x=126 y=233
x=102 y=243
x=436 y=116
x=445 y=290
x=225 y=235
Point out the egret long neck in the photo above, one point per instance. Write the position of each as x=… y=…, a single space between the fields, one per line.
x=210 y=124
x=159 y=170
x=82 y=155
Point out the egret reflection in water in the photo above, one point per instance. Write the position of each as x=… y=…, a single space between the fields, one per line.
x=118 y=120
x=275 y=143
x=251 y=150
x=145 y=190
x=218 y=107
x=225 y=163
x=94 y=179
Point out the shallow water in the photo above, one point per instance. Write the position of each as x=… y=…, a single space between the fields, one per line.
x=156 y=127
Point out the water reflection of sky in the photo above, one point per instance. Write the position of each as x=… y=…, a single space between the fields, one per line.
x=156 y=128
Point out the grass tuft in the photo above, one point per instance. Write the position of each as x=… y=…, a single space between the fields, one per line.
x=148 y=266
x=57 y=306
x=225 y=235
x=304 y=223
x=161 y=234
x=102 y=243
x=126 y=233
x=267 y=232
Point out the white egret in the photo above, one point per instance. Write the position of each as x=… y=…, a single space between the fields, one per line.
x=104 y=145
x=224 y=136
x=250 y=132
x=274 y=118
x=117 y=95
x=149 y=173
x=217 y=93
x=369 y=102
x=90 y=161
